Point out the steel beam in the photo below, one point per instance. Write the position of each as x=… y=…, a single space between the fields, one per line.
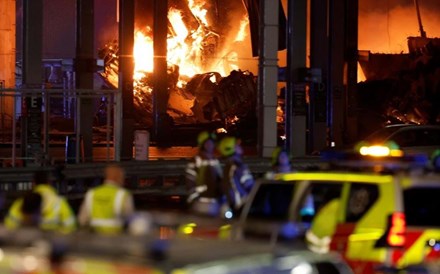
x=126 y=69
x=84 y=77
x=162 y=121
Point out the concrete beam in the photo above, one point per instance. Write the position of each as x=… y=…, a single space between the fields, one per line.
x=268 y=77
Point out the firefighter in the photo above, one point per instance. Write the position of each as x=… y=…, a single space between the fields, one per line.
x=237 y=179
x=280 y=162
x=323 y=226
x=55 y=212
x=106 y=209
x=203 y=176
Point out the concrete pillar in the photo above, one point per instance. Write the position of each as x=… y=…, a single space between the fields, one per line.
x=126 y=68
x=336 y=71
x=7 y=61
x=296 y=109
x=85 y=75
x=32 y=77
x=350 y=73
x=319 y=49
x=268 y=77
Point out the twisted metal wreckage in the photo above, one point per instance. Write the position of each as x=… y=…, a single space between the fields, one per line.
x=197 y=97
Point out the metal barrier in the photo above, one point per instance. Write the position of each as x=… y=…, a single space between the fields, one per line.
x=140 y=174
x=59 y=114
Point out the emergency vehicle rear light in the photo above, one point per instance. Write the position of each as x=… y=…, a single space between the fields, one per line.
x=380 y=151
x=396 y=233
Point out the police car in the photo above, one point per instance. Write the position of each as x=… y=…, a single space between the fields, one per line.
x=379 y=211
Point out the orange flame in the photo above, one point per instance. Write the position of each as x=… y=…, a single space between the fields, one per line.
x=185 y=46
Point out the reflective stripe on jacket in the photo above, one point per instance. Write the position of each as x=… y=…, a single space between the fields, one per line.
x=319 y=236
x=104 y=205
x=56 y=213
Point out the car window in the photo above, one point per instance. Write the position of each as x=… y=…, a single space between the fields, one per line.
x=381 y=135
x=428 y=137
x=417 y=137
x=272 y=201
x=422 y=206
x=362 y=196
x=317 y=196
x=323 y=193
x=405 y=138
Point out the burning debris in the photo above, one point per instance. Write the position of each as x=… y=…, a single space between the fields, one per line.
x=195 y=96
x=410 y=94
x=205 y=98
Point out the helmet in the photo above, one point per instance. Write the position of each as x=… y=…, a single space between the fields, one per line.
x=204 y=136
x=227 y=146
x=276 y=154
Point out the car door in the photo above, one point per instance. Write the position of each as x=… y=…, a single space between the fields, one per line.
x=362 y=221
x=417 y=140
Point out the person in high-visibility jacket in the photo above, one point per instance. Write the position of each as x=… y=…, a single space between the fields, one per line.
x=237 y=178
x=319 y=236
x=107 y=208
x=56 y=213
x=203 y=176
x=280 y=162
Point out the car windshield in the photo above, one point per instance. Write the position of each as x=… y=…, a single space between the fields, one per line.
x=382 y=134
x=422 y=206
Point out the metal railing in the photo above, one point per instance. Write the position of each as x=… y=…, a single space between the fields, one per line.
x=60 y=116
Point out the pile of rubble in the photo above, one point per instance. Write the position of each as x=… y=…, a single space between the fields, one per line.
x=204 y=98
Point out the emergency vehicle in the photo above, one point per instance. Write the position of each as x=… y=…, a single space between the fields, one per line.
x=379 y=210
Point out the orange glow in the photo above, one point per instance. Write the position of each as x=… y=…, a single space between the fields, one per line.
x=242 y=32
x=185 y=47
x=360 y=74
x=197 y=9
x=382 y=31
x=143 y=53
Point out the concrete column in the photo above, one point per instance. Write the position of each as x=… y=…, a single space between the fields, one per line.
x=126 y=68
x=268 y=77
x=336 y=67
x=85 y=62
x=319 y=52
x=7 y=61
x=296 y=110
x=350 y=78
x=32 y=76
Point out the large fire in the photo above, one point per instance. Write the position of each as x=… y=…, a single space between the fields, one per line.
x=209 y=67
x=187 y=47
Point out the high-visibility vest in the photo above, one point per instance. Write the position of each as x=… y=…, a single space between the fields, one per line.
x=104 y=205
x=56 y=213
x=318 y=237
